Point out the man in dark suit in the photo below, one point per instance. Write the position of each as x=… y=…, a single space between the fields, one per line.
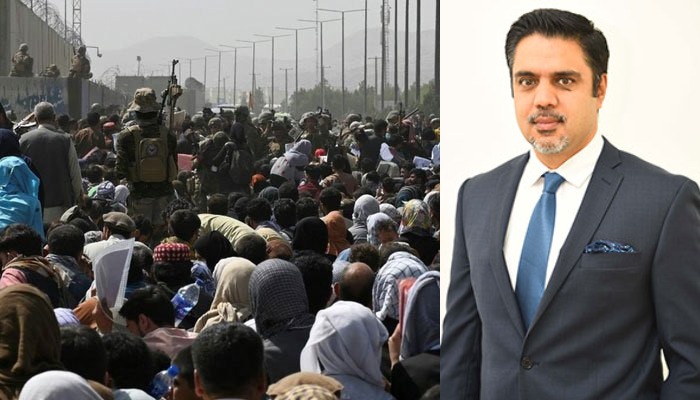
x=574 y=265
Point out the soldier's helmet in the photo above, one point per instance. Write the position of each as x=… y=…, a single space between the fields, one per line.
x=306 y=116
x=265 y=117
x=198 y=121
x=144 y=101
x=23 y=47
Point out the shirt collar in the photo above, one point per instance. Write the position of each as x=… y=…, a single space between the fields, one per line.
x=576 y=170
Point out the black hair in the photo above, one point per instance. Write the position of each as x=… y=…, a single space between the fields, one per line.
x=313 y=172
x=259 y=209
x=317 y=272
x=420 y=173
x=83 y=224
x=93 y=118
x=394 y=247
x=252 y=247
x=338 y=162
x=22 y=239
x=347 y=207
x=143 y=224
x=285 y=212
x=66 y=240
x=177 y=204
x=367 y=165
x=380 y=125
x=184 y=224
x=330 y=198
x=94 y=173
x=340 y=186
x=240 y=208
x=129 y=362
x=361 y=191
x=185 y=364
x=306 y=207
x=217 y=204
x=173 y=274
x=388 y=184
x=141 y=259
x=235 y=346
x=434 y=205
x=152 y=302
x=233 y=197
x=288 y=190
x=83 y=352
x=562 y=24
x=365 y=253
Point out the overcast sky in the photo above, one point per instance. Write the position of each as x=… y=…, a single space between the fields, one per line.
x=223 y=21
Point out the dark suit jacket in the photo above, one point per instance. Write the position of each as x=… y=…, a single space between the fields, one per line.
x=603 y=318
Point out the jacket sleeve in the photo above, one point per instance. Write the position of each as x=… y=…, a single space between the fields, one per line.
x=74 y=171
x=676 y=291
x=460 y=354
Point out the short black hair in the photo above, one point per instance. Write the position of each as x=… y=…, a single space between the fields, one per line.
x=237 y=348
x=380 y=125
x=129 y=362
x=288 y=190
x=306 y=207
x=365 y=253
x=217 y=204
x=361 y=191
x=394 y=247
x=83 y=352
x=259 y=209
x=93 y=118
x=177 y=204
x=233 y=197
x=66 y=240
x=252 y=247
x=317 y=272
x=22 y=239
x=285 y=212
x=240 y=208
x=143 y=224
x=173 y=274
x=566 y=25
x=366 y=165
x=85 y=225
x=419 y=173
x=185 y=365
x=141 y=260
x=330 y=199
x=152 y=302
x=184 y=224
x=94 y=173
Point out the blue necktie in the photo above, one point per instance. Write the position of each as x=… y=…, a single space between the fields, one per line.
x=538 y=240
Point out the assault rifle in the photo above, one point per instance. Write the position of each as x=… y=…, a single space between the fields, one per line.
x=171 y=94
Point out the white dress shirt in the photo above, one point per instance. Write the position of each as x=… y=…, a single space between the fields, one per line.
x=577 y=173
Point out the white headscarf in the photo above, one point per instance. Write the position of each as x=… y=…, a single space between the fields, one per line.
x=58 y=385
x=346 y=339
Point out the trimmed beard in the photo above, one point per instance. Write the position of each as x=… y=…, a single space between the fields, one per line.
x=550 y=148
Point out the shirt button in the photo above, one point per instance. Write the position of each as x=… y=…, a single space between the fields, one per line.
x=526 y=363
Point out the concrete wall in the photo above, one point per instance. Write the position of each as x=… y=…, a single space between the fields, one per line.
x=71 y=96
x=18 y=24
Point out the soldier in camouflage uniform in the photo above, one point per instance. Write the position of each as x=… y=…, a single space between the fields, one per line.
x=257 y=143
x=80 y=65
x=51 y=71
x=278 y=137
x=309 y=124
x=147 y=198
x=22 y=63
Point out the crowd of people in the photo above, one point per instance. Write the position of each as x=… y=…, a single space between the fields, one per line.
x=311 y=247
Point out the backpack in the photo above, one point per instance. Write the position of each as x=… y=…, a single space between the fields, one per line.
x=154 y=162
x=240 y=166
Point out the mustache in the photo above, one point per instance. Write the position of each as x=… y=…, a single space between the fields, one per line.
x=546 y=114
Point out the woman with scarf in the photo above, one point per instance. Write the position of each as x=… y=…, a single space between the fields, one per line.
x=280 y=308
x=416 y=367
x=415 y=230
x=365 y=206
x=231 y=300
x=345 y=343
x=337 y=234
x=291 y=165
x=310 y=233
x=30 y=340
x=19 y=188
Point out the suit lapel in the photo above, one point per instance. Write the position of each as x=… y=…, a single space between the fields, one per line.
x=508 y=182
x=604 y=183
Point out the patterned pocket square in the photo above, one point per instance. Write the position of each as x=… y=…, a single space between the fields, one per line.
x=607 y=246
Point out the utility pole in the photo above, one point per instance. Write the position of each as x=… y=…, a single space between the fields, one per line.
x=323 y=84
x=417 y=52
x=375 y=77
x=405 y=72
x=252 y=92
x=437 y=48
x=396 y=51
x=342 y=57
x=272 y=62
x=296 y=56
x=286 y=93
x=383 y=53
x=235 y=66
